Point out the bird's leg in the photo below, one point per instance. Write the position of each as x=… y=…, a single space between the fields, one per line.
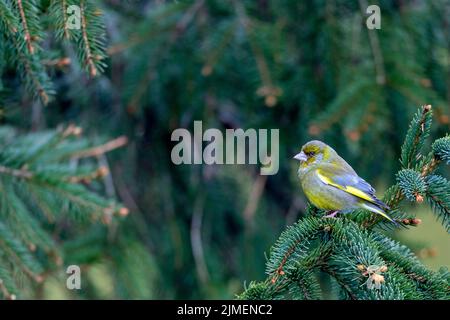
x=332 y=214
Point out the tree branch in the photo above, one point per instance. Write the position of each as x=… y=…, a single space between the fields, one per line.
x=25 y=27
x=99 y=150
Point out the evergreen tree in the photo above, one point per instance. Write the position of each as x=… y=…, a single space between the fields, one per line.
x=141 y=69
x=363 y=262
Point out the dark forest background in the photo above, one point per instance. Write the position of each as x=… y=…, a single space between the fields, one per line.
x=309 y=68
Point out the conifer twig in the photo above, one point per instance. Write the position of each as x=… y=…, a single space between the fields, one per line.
x=89 y=57
x=429 y=167
x=28 y=69
x=25 y=27
x=341 y=283
x=104 y=148
x=25 y=174
x=64 y=13
x=36 y=277
x=6 y=292
x=279 y=271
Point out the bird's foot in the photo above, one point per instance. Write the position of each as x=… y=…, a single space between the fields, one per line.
x=332 y=214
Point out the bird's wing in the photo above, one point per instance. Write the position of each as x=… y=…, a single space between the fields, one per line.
x=347 y=181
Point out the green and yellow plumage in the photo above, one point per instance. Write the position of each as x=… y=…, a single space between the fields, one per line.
x=330 y=183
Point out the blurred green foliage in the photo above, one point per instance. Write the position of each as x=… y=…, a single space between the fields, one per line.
x=309 y=68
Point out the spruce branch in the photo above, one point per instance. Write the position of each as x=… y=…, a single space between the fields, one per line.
x=18 y=173
x=429 y=164
x=364 y=263
x=412 y=180
x=20 y=31
x=37 y=80
x=291 y=246
x=441 y=149
x=58 y=13
x=304 y=285
x=8 y=288
x=429 y=284
x=341 y=282
x=101 y=149
x=355 y=253
x=38 y=186
x=89 y=58
x=411 y=184
x=26 y=30
x=5 y=292
x=90 y=40
x=438 y=195
x=19 y=254
x=8 y=21
x=415 y=137
x=26 y=226
x=257 y=291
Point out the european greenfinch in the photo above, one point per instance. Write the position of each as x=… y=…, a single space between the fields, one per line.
x=330 y=183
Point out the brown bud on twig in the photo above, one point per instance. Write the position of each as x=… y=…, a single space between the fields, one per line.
x=72 y=130
x=432 y=252
x=123 y=212
x=92 y=70
x=77 y=131
x=444 y=119
x=206 y=70
x=98 y=12
x=354 y=135
x=270 y=101
x=314 y=130
x=425 y=82
x=377 y=279
x=39 y=278
x=419 y=198
x=59 y=261
x=102 y=171
x=107 y=219
x=107 y=215
x=64 y=62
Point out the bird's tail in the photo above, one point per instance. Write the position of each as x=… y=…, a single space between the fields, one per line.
x=381 y=204
x=377 y=208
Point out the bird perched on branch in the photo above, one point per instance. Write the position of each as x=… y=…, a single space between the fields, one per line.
x=330 y=183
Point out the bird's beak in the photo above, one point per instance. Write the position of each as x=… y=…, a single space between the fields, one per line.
x=301 y=157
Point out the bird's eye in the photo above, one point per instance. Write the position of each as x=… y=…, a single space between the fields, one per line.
x=310 y=153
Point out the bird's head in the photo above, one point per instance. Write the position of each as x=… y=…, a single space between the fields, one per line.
x=313 y=152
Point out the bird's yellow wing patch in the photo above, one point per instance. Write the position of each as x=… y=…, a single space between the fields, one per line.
x=354 y=191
